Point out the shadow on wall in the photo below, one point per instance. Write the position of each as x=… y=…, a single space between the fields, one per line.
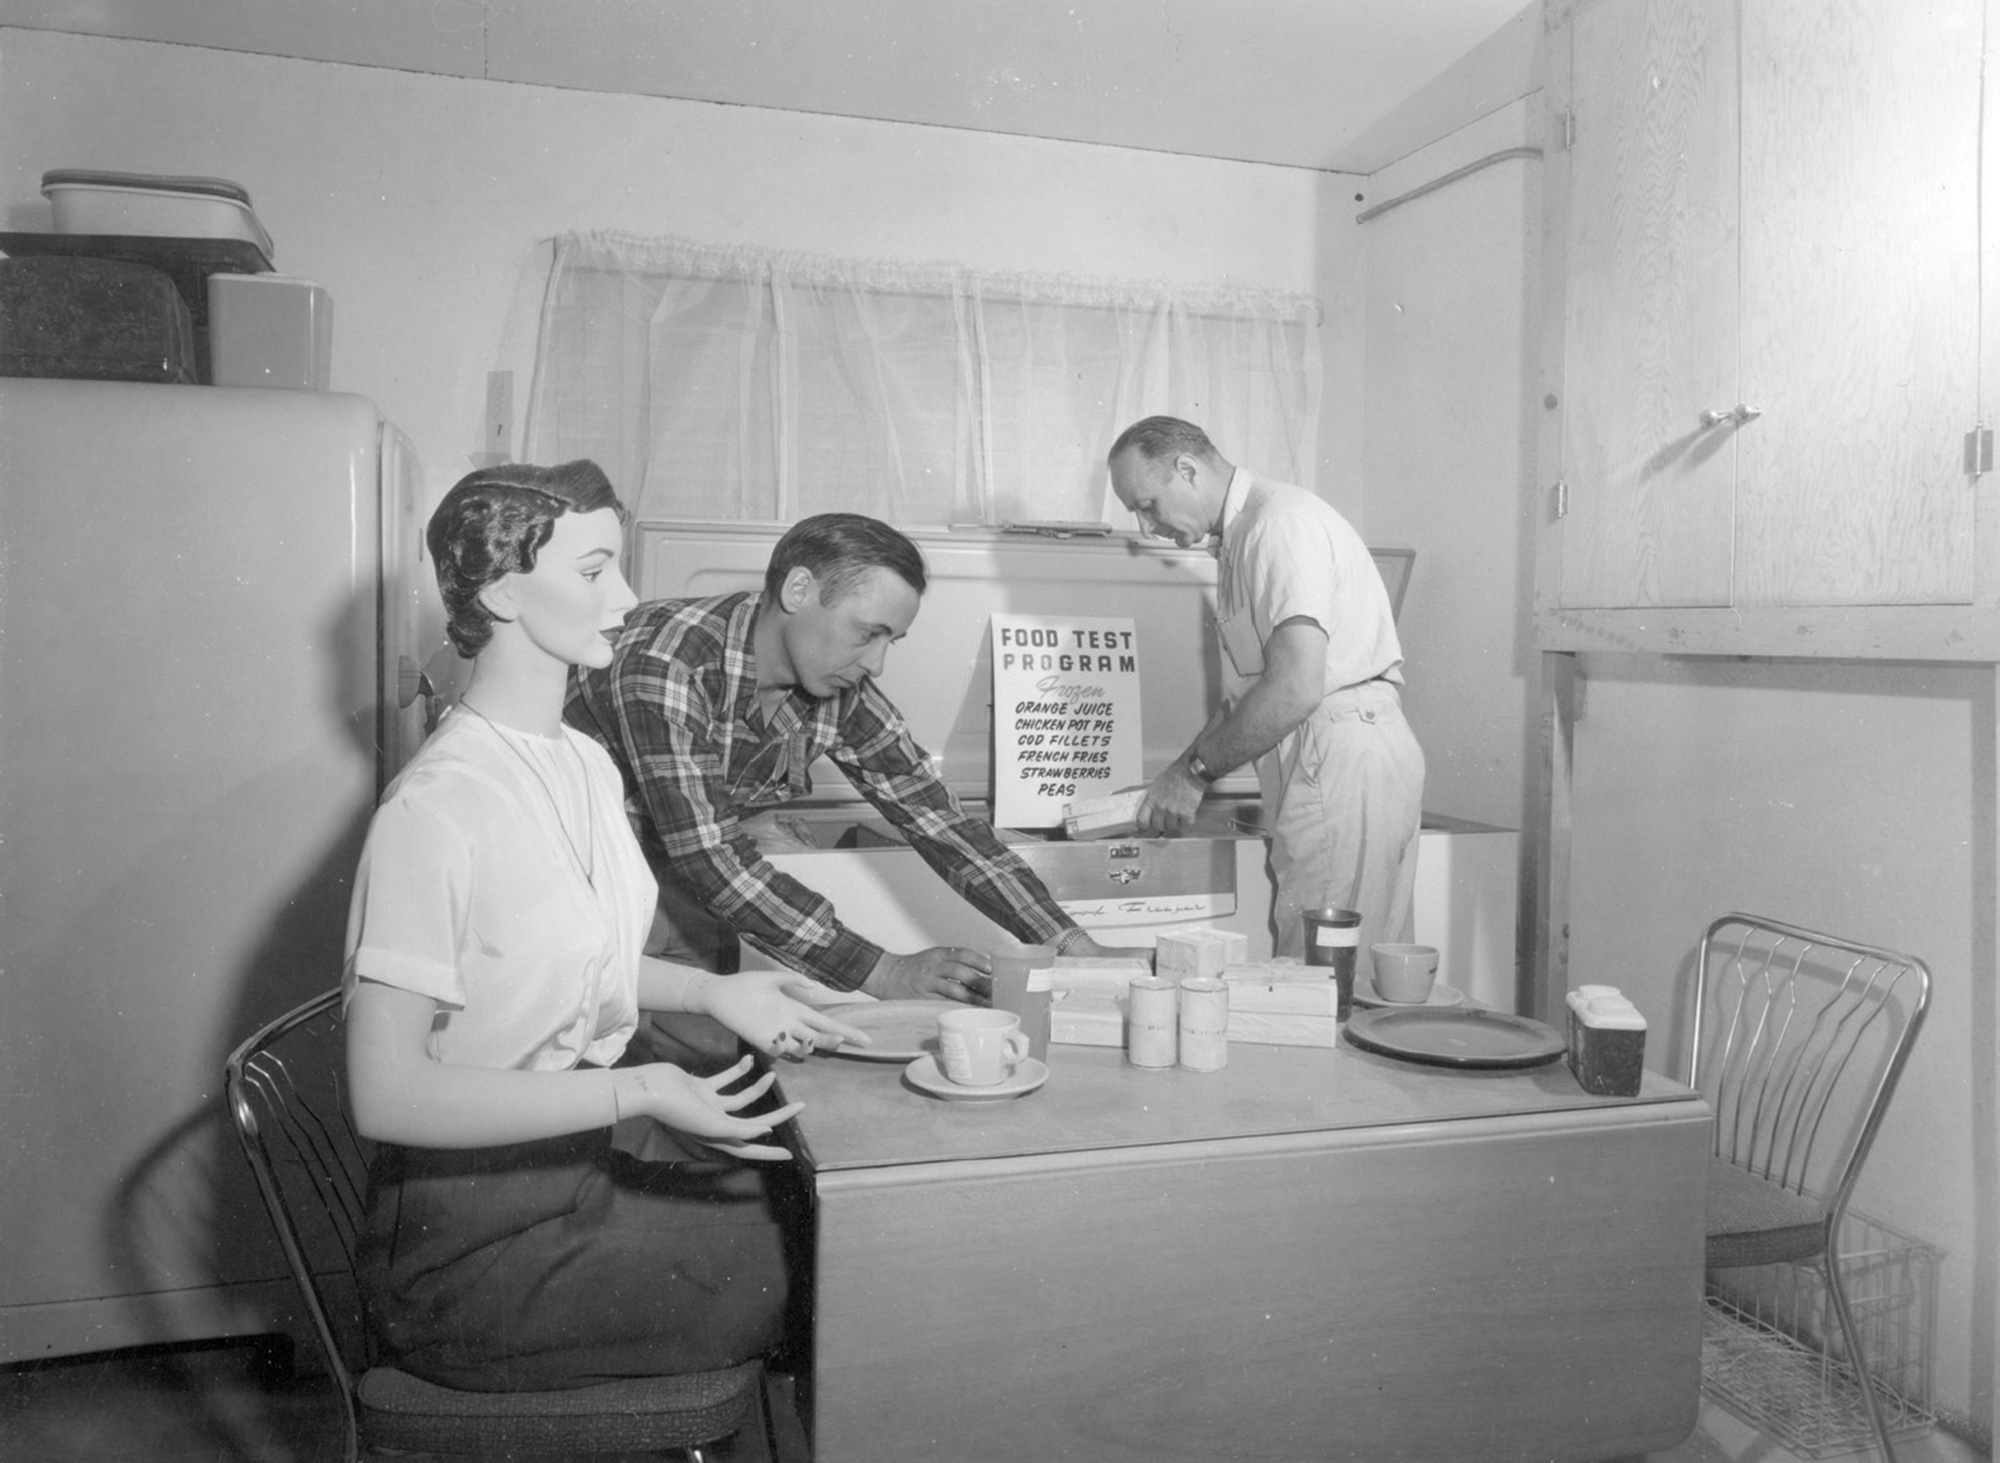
x=187 y=1214
x=1852 y=797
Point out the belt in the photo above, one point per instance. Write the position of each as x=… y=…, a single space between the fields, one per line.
x=1363 y=685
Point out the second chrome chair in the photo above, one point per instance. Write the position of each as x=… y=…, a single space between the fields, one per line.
x=1798 y=1041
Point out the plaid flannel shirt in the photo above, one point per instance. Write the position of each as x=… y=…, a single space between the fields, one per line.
x=678 y=710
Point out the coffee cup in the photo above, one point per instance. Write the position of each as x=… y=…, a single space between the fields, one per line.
x=979 y=1047
x=1404 y=974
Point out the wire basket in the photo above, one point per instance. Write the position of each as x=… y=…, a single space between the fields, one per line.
x=1772 y=1350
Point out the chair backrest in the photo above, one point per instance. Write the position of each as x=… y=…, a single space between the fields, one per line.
x=1797 y=1041
x=287 y=1095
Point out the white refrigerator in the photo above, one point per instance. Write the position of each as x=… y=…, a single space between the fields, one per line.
x=211 y=614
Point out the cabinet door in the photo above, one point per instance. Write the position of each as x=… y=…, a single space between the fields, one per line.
x=1860 y=292
x=1650 y=329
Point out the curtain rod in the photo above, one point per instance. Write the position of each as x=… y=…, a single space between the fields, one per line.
x=1451 y=177
x=1203 y=302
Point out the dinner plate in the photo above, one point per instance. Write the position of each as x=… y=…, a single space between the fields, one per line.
x=903 y=1030
x=1463 y=1037
x=1029 y=1075
x=1365 y=994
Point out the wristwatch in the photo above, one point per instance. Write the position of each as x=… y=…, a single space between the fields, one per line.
x=1200 y=770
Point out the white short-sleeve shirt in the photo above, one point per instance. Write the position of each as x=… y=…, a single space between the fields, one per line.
x=469 y=892
x=1285 y=554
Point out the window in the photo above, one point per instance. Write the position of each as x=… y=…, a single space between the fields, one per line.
x=755 y=385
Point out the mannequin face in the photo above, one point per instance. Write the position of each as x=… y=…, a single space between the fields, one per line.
x=831 y=647
x=1163 y=493
x=572 y=603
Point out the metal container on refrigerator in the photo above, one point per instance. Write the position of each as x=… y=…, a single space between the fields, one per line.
x=211 y=607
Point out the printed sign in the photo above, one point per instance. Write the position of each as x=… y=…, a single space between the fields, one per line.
x=1065 y=714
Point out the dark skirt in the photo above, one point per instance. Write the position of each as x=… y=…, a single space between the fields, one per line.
x=566 y=1262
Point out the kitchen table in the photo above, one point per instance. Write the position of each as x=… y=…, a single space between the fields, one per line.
x=1310 y=1254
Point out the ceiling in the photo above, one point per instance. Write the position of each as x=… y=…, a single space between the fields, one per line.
x=1342 y=85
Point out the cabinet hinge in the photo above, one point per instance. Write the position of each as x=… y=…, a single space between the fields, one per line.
x=1562 y=498
x=1568 y=120
x=1978 y=451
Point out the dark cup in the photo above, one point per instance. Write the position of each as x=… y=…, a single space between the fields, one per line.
x=1333 y=938
x=1011 y=972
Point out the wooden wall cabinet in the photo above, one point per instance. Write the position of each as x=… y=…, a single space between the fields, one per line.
x=1763 y=346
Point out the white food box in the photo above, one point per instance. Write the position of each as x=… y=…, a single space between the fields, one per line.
x=84 y=201
x=1198 y=952
x=1284 y=997
x=1112 y=816
x=1078 y=1019
x=1088 y=998
x=1282 y=1003
x=1106 y=976
x=1278 y=967
x=1281 y=1028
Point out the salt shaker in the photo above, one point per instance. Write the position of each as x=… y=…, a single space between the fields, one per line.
x=1204 y=1024
x=1152 y=1020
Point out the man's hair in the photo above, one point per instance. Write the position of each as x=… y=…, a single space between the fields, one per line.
x=493 y=523
x=838 y=549
x=1156 y=437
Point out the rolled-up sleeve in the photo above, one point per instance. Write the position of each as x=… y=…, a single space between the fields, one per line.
x=407 y=931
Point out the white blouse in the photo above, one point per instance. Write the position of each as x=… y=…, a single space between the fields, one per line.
x=472 y=890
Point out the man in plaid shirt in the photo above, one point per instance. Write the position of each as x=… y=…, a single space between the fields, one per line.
x=715 y=708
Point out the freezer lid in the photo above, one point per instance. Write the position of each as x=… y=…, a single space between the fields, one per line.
x=941 y=675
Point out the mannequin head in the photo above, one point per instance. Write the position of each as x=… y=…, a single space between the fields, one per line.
x=493 y=523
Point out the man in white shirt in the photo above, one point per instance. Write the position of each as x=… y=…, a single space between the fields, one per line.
x=1311 y=668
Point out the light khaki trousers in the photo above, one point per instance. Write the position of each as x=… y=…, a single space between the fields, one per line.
x=1344 y=794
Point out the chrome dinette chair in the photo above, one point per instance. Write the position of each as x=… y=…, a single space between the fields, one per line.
x=286 y=1087
x=1798 y=1041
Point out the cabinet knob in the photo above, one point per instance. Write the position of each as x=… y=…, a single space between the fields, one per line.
x=1736 y=415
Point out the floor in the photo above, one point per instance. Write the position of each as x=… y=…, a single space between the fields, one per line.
x=245 y=1404
x=229 y=1403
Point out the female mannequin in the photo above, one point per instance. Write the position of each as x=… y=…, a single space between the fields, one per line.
x=494 y=976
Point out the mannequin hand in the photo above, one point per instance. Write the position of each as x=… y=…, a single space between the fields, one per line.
x=940 y=973
x=699 y=1107
x=1171 y=800
x=763 y=1008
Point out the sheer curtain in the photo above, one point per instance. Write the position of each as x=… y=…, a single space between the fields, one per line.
x=755 y=385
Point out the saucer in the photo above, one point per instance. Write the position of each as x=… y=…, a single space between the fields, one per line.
x=1365 y=994
x=924 y=1074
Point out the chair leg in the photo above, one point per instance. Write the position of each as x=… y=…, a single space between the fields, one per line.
x=757 y=1421
x=1829 y=1267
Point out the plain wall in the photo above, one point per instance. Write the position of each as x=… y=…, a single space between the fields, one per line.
x=1840 y=796
x=1451 y=296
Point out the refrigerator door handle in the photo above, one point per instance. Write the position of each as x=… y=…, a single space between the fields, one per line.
x=411 y=683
